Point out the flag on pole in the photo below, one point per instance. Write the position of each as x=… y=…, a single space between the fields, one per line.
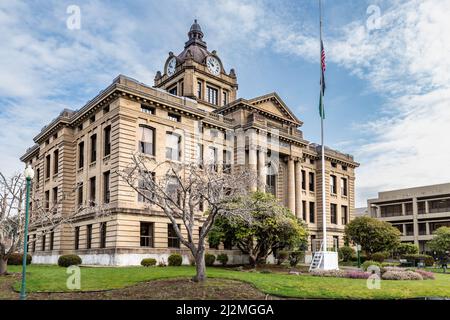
x=322 y=80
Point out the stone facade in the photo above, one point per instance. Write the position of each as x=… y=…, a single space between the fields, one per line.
x=77 y=157
x=416 y=212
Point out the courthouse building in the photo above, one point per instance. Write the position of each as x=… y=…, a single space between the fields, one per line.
x=83 y=150
x=416 y=212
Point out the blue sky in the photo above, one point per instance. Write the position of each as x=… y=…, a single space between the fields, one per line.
x=388 y=83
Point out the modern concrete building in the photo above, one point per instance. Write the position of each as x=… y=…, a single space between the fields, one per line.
x=416 y=212
x=85 y=149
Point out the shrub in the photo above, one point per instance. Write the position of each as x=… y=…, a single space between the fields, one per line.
x=416 y=258
x=362 y=257
x=69 y=260
x=390 y=264
x=15 y=259
x=294 y=257
x=329 y=273
x=222 y=258
x=357 y=275
x=210 y=259
x=369 y=263
x=426 y=275
x=401 y=275
x=282 y=256
x=148 y=262
x=406 y=248
x=175 y=260
x=346 y=253
x=379 y=256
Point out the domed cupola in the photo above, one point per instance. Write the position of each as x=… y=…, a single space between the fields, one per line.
x=195 y=48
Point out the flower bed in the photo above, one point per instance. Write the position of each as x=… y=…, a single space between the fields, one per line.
x=356 y=274
x=387 y=273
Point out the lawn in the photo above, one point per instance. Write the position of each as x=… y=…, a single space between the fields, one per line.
x=53 y=279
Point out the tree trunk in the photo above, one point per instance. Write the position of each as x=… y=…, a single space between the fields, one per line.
x=3 y=266
x=200 y=267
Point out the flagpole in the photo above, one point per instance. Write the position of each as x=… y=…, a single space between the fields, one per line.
x=324 y=210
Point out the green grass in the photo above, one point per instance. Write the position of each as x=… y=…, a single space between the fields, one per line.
x=53 y=279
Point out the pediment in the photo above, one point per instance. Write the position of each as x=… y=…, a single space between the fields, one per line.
x=273 y=104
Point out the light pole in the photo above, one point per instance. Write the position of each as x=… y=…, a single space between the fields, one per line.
x=29 y=175
x=358 y=249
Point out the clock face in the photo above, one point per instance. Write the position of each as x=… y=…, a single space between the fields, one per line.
x=171 y=66
x=213 y=65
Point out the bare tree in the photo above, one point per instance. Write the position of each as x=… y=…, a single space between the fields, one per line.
x=43 y=217
x=180 y=192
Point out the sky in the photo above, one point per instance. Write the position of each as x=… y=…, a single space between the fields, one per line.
x=388 y=74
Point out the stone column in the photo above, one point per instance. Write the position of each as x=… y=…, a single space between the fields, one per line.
x=262 y=170
x=252 y=158
x=403 y=209
x=298 y=190
x=427 y=225
x=427 y=206
x=291 y=184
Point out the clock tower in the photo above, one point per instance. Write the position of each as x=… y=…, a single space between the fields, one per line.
x=198 y=74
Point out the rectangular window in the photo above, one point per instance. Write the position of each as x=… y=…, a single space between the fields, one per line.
x=392 y=210
x=147 y=140
x=92 y=119
x=313 y=242
x=303 y=180
x=311 y=181
x=199 y=154
x=172 y=239
x=56 y=162
x=107 y=141
x=344 y=186
x=55 y=198
x=201 y=206
x=174 y=117
x=211 y=95
x=199 y=89
x=77 y=238
x=271 y=183
x=47 y=166
x=106 y=184
x=226 y=161
x=336 y=243
x=409 y=229
x=145 y=194
x=92 y=191
x=43 y=242
x=224 y=98
x=333 y=184
x=147 y=234
x=173 y=90
x=333 y=213
x=88 y=236
x=52 y=239
x=47 y=200
x=304 y=210
x=422 y=229
x=34 y=242
x=93 y=148
x=212 y=158
x=147 y=109
x=38 y=176
x=80 y=194
x=103 y=234
x=173 y=146
x=81 y=155
x=228 y=244
x=312 y=212
x=344 y=215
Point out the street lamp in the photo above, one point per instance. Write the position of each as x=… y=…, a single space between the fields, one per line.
x=29 y=175
x=358 y=249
